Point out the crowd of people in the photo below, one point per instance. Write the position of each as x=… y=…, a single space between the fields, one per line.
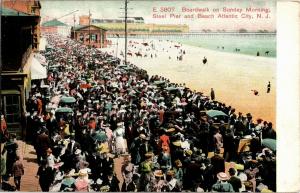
x=93 y=110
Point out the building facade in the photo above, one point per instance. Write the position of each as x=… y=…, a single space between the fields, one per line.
x=55 y=27
x=93 y=36
x=19 y=39
x=30 y=7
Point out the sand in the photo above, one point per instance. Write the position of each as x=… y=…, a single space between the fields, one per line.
x=232 y=76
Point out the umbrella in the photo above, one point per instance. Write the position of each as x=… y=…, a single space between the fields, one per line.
x=269 y=143
x=45 y=86
x=215 y=113
x=66 y=99
x=122 y=66
x=171 y=88
x=100 y=136
x=85 y=86
x=64 y=110
x=158 y=82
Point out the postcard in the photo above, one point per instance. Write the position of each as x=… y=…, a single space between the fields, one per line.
x=149 y=95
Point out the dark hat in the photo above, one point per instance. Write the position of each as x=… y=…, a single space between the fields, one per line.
x=231 y=171
x=135 y=177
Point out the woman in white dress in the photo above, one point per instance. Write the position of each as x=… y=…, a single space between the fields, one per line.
x=119 y=135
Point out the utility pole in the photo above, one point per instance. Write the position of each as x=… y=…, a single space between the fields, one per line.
x=126 y=2
x=89 y=28
x=74 y=27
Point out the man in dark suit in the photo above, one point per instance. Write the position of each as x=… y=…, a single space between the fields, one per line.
x=218 y=163
x=73 y=145
x=133 y=186
x=106 y=164
x=234 y=181
x=52 y=124
x=112 y=181
x=42 y=144
x=145 y=148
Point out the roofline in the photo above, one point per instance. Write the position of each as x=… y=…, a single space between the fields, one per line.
x=81 y=27
x=25 y=14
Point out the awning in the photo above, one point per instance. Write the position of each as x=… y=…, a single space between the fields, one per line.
x=43 y=43
x=41 y=59
x=37 y=70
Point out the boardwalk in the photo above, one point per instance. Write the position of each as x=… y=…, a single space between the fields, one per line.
x=27 y=154
x=29 y=181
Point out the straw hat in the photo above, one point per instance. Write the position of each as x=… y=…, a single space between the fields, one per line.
x=103 y=148
x=83 y=173
x=248 y=184
x=143 y=136
x=104 y=189
x=170 y=173
x=178 y=163
x=158 y=173
x=222 y=176
x=170 y=130
x=77 y=152
x=149 y=155
x=177 y=143
x=189 y=152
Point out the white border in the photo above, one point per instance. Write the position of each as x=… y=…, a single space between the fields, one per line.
x=288 y=140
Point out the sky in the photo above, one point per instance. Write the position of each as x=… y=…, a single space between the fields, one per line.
x=144 y=8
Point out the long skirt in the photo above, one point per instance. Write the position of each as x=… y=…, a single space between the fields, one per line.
x=121 y=145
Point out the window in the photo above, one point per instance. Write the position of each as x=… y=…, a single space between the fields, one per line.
x=94 y=37
x=81 y=37
x=12 y=108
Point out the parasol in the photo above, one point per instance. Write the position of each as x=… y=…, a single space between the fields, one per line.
x=100 y=136
x=85 y=86
x=269 y=143
x=158 y=82
x=66 y=99
x=215 y=113
x=64 y=110
x=45 y=86
x=171 y=88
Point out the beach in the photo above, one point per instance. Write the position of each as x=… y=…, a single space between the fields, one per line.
x=232 y=76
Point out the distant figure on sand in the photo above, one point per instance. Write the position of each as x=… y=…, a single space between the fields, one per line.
x=257 y=54
x=212 y=94
x=267 y=53
x=269 y=87
x=255 y=92
x=204 y=60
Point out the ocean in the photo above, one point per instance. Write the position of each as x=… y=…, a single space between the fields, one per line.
x=249 y=43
